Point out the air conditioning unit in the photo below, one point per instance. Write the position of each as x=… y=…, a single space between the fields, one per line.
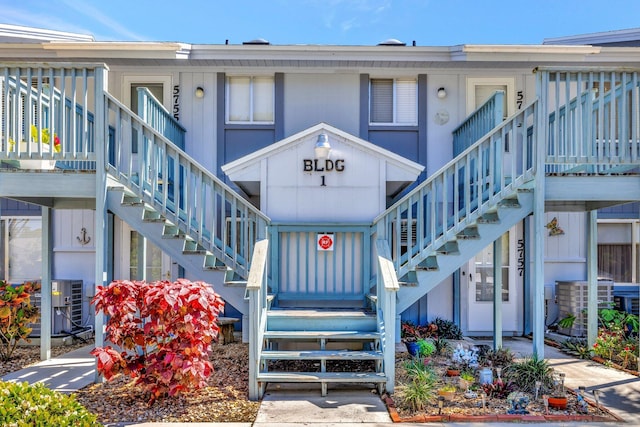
x=66 y=307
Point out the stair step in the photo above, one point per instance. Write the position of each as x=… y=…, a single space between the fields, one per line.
x=191 y=247
x=469 y=233
x=509 y=203
x=329 y=335
x=150 y=215
x=172 y=232
x=231 y=278
x=489 y=218
x=409 y=279
x=213 y=263
x=322 y=377
x=321 y=355
x=319 y=313
x=428 y=264
x=449 y=248
x=128 y=200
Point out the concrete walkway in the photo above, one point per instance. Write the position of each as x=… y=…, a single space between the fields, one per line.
x=291 y=405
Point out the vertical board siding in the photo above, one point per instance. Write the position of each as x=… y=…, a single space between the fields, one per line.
x=322 y=274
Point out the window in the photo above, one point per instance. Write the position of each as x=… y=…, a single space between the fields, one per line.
x=614 y=262
x=20 y=249
x=250 y=99
x=394 y=101
x=619 y=250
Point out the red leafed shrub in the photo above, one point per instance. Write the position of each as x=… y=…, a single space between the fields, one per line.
x=16 y=313
x=163 y=331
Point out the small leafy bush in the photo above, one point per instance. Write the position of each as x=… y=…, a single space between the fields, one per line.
x=165 y=332
x=447 y=329
x=24 y=405
x=527 y=371
x=16 y=313
x=417 y=384
x=576 y=347
x=498 y=389
x=426 y=348
x=497 y=358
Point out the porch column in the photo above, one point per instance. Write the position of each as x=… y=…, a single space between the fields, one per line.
x=497 y=293
x=45 y=284
x=592 y=277
x=537 y=288
x=101 y=236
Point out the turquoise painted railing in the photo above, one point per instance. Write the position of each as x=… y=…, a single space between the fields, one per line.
x=303 y=271
x=479 y=123
x=190 y=196
x=258 y=307
x=27 y=92
x=154 y=114
x=593 y=119
x=386 y=291
x=438 y=209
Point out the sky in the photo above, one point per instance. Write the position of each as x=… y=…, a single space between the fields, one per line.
x=326 y=22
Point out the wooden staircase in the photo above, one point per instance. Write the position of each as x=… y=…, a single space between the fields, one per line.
x=321 y=346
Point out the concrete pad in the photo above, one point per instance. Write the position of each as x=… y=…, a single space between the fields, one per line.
x=304 y=404
x=66 y=374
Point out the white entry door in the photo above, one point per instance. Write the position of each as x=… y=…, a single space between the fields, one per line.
x=479 y=280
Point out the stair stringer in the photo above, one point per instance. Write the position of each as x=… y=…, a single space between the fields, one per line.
x=449 y=263
x=193 y=263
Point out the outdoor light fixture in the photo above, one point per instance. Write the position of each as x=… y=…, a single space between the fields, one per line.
x=538 y=384
x=442 y=93
x=199 y=92
x=596 y=397
x=322 y=147
x=440 y=404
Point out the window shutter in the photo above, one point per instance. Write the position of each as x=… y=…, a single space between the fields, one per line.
x=239 y=99
x=263 y=99
x=406 y=102
x=381 y=101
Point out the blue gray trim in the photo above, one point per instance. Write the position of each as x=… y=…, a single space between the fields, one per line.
x=278 y=116
x=456 y=298
x=364 y=106
x=526 y=276
x=422 y=124
x=220 y=111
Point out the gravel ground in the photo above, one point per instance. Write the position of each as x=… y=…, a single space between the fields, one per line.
x=224 y=399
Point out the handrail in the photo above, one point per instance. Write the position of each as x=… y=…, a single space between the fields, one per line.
x=387 y=289
x=461 y=191
x=183 y=191
x=479 y=122
x=153 y=112
x=257 y=295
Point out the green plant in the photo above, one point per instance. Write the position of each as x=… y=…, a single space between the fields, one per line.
x=164 y=330
x=609 y=343
x=467 y=376
x=447 y=388
x=443 y=346
x=23 y=405
x=16 y=313
x=567 y=322
x=615 y=320
x=426 y=347
x=447 y=329
x=527 y=371
x=416 y=393
x=498 y=389
x=576 y=347
x=497 y=358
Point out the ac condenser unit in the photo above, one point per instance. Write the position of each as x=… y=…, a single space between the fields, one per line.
x=66 y=307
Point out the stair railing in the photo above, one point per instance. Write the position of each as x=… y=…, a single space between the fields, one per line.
x=593 y=124
x=184 y=192
x=154 y=113
x=386 y=290
x=459 y=193
x=479 y=123
x=257 y=295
